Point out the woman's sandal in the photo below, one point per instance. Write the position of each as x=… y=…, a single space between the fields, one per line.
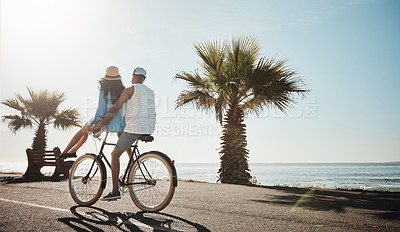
x=67 y=155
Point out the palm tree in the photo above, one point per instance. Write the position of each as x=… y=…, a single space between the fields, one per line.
x=235 y=81
x=39 y=110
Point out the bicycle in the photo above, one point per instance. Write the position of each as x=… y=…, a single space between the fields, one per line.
x=150 y=177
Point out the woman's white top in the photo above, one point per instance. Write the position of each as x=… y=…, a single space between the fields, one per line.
x=140 y=111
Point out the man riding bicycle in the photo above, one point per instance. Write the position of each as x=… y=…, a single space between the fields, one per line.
x=140 y=118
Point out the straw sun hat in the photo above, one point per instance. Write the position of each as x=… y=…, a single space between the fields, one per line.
x=112 y=73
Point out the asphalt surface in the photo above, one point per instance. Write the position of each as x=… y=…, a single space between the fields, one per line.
x=45 y=205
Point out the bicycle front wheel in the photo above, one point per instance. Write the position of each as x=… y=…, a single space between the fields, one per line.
x=152 y=182
x=85 y=180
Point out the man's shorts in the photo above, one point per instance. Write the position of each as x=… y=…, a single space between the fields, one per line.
x=126 y=140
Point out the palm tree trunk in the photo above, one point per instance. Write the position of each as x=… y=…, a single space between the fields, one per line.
x=234 y=168
x=40 y=141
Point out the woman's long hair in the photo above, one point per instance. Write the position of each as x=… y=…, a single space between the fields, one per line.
x=112 y=87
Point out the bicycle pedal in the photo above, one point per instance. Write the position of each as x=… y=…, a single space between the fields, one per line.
x=112 y=200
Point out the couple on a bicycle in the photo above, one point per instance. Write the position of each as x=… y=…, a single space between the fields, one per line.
x=128 y=111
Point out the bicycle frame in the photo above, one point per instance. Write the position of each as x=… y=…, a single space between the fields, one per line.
x=132 y=159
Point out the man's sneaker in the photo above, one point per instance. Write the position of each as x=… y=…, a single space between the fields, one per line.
x=112 y=196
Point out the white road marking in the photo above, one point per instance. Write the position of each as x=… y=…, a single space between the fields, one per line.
x=136 y=223
x=36 y=205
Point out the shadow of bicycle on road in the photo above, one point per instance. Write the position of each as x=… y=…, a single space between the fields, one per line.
x=96 y=219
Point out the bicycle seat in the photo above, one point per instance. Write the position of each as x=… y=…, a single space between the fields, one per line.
x=146 y=138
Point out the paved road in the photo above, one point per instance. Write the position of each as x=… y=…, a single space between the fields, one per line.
x=46 y=206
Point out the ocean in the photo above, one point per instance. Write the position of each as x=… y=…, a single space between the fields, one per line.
x=366 y=176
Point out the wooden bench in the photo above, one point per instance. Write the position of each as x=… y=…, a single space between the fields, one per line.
x=41 y=158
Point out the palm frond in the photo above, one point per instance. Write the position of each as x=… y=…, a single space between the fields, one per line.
x=193 y=80
x=250 y=48
x=43 y=104
x=13 y=103
x=271 y=83
x=17 y=122
x=213 y=56
x=66 y=119
x=201 y=100
x=242 y=54
x=200 y=93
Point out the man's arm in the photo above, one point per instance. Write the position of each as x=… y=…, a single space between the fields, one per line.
x=125 y=95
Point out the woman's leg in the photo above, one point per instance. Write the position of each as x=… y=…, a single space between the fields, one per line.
x=80 y=143
x=129 y=151
x=78 y=139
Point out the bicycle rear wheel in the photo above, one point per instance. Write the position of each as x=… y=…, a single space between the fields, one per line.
x=85 y=180
x=152 y=179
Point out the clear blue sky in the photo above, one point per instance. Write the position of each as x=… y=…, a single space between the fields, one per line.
x=347 y=52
